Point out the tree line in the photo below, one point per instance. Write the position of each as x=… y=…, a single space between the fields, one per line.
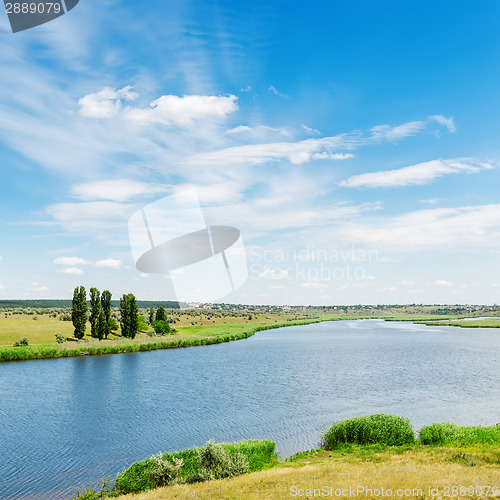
x=99 y=315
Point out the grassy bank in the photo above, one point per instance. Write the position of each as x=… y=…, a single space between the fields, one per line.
x=187 y=337
x=423 y=473
x=360 y=455
x=475 y=323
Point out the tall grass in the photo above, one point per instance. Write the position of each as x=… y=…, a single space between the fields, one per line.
x=451 y=434
x=389 y=430
x=53 y=351
x=138 y=477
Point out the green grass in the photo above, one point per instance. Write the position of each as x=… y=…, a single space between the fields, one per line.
x=260 y=455
x=451 y=434
x=386 y=430
x=199 y=335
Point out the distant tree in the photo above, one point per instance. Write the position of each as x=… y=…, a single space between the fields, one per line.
x=106 y=308
x=113 y=325
x=142 y=325
x=161 y=315
x=95 y=305
x=129 y=321
x=79 y=311
x=151 y=315
x=161 y=327
x=101 y=324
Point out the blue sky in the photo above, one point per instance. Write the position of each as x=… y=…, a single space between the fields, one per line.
x=355 y=145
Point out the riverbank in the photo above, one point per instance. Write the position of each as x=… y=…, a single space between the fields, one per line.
x=422 y=472
x=194 y=336
x=365 y=455
x=198 y=333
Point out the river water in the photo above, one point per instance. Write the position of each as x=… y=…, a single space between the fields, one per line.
x=66 y=422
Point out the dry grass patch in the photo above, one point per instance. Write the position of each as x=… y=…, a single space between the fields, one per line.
x=417 y=471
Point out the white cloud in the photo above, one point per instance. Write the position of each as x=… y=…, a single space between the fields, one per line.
x=430 y=227
x=183 y=111
x=421 y=173
x=335 y=148
x=432 y=201
x=315 y=285
x=91 y=216
x=407 y=282
x=449 y=123
x=258 y=132
x=2 y=287
x=1 y=258
x=106 y=103
x=388 y=133
x=71 y=270
x=442 y=283
x=310 y=130
x=109 y=264
x=274 y=274
x=70 y=261
x=258 y=154
x=42 y=289
x=115 y=190
x=275 y=91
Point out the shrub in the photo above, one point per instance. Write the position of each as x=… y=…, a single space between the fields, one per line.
x=388 y=430
x=446 y=433
x=60 y=338
x=138 y=477
x=65 y=317
x=21 y=342
x=161 y=327
x=165 y=472
x=216 y=463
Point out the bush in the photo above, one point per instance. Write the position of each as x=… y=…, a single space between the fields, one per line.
x=60 y=338
x=388 y=430
x=161 y=327
x=21 y=342
x=165 y=472
x=258 y=455
x=446 y=433
x=216 y=463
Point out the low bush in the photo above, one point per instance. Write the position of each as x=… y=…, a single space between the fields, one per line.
x=161 y=327
x=446 y=433
x=21 y=342
x=60 y=338
x=165 y=472
x=387 y=430
x=217 y=463
x=199 y=464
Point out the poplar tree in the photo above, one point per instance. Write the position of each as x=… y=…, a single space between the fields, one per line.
x=129 y=321
x=106 y=309
x=161 y=315
x=95 y=303
x=79 y=311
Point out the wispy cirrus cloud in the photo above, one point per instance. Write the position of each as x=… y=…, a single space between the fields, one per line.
x=388 y=133
x=116 y=189
x=449 y=123
x=420 y=173
x=468 y=225
x=338 y=147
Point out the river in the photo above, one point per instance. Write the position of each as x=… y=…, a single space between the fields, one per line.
x=65 y=423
